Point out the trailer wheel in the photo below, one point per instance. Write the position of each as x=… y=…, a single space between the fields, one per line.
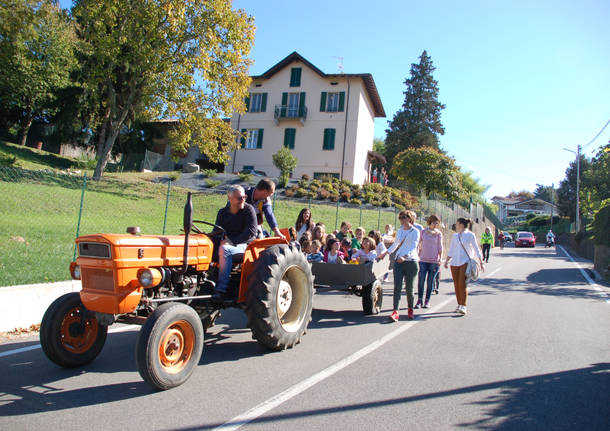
x=372 y=298
x=169 y=346
x=279 y=297
x=70 y=335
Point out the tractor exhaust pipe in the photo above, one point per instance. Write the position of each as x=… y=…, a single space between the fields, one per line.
x=187 y=224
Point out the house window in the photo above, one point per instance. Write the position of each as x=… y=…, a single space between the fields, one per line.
x=252 y=138
x=332 y=102
x=329 y=139
x=289 y=135
x=295 y=77
x=258 y=102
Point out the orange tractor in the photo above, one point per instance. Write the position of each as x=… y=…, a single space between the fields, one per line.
x=165 y=283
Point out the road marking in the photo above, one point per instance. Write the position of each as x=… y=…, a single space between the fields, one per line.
x=275 y=401
x=586 y=276
x=38 y=346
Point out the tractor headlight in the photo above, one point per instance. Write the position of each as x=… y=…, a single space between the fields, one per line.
x=75 y=271
x=149 y=277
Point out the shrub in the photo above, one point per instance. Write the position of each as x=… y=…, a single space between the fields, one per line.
x=315 y=183
x=530 y=216
x=209 y=172
x=355 y=201
x=301 y=193
x=345 y=196
x=399 y=207
x=334 y=197
x=290 y=192
x=322 y=193
x=305 y=177
x=6 y=160
x=386 y=202
x=212 y=183
x=244 y=177
x=174 y=176
x=303 y=183
x=601 y=224
x=85 y=162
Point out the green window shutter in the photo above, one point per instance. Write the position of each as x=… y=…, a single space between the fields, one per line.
x=289 y=135
x=284 y=103
x=325 y=143
x=259 y=141
x=341 y=101
x=295 y=77
x=243 y=138
x=247 y=102
x=302 y=105
x=264 y=103
x=323 y=102
x=331 y=139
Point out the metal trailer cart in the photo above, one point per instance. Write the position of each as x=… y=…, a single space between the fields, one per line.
x=361 y=280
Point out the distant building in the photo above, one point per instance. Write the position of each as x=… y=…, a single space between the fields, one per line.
x=515 y=207
x=327 y=120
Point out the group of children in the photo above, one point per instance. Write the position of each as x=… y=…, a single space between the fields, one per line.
x=342 y=246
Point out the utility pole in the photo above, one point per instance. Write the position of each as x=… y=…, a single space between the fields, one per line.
x=552 y=203
x=577 y=185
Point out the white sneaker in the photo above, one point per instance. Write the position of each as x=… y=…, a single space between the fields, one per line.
x=458 y=309
x=462 y=310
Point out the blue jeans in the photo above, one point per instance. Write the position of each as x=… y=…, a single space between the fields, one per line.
x=225 y=261
x=408 y=271
x=429 y=269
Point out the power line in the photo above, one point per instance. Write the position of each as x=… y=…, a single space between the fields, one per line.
x=597 y=136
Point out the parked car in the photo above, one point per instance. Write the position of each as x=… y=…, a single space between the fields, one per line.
x=525 y=239
x=253 y=172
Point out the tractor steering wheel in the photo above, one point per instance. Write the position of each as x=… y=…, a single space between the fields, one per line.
x=222 y=233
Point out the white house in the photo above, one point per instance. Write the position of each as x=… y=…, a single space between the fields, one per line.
x=514 y=207
x=327 y=120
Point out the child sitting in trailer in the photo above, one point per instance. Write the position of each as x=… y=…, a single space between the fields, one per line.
x=346 y=229
x=346 y=248
x=332 y=253
x=357 y=240
x=367 y=252
x=376 y=235
x=314 y=252
x=305 y=246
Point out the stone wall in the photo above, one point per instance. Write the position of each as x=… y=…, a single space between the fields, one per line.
x=599 y=254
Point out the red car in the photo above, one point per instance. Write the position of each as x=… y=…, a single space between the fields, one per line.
x=525 y=239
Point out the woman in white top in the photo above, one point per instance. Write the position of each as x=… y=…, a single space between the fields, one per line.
x=463 y=247
x=304 y=223
x=405 y=265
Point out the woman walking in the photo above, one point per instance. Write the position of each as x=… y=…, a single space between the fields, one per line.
x=487 y=242
x=430 y=254
x=405 y=265
x=463 y=248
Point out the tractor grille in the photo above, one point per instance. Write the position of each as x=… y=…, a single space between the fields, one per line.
x=98 y=279
x=94 y=249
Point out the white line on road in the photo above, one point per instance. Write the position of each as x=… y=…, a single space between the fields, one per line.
x=584 y=274
x=37 y=346
x=273 y=402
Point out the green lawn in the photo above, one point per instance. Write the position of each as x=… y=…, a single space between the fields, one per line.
x=40 y=216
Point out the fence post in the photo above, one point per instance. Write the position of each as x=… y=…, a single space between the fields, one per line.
x=273 y=204
x=169 y=186
x=80 y=212
x=309 y=203
x=337 y=215
x=360 y=224
x=379 y=219
x=395 y=219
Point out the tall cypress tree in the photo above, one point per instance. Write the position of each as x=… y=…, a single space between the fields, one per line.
x=418 y=124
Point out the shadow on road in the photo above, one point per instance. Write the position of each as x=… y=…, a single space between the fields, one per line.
x=574 y=399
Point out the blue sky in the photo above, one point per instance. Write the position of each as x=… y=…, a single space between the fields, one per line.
x=520 y=79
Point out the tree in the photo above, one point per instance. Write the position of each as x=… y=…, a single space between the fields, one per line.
x=285 y=162
x=596 y=181
x=418 y=124
x=546 y=193
x=37 y=53
x=566 y=193
x=176 y=59
x=472 y=189
x=430 y=170
x=523 y=195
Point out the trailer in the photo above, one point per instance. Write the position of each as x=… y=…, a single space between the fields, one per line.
x=362 y=280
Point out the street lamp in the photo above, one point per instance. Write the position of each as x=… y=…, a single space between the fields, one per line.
x=577 y=152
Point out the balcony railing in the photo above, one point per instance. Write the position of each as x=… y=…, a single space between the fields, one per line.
x=288 y=112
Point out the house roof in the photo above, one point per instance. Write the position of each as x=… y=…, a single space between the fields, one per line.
x=536 y=200
x=367 y=79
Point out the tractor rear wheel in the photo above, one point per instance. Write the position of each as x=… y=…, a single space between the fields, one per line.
x=70 y=335
x=169 y=346
x=372 y=298
x=280 y=297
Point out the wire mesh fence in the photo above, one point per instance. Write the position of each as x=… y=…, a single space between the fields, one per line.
x=44 y=211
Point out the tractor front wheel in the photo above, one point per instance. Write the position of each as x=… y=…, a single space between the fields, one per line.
x=372 y=298
x=169 y=346
x=70 y=335
x=280 y=297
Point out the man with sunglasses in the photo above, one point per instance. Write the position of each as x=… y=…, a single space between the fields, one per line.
x=238 y=219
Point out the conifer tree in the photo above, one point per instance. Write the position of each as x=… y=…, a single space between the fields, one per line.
x=418 y=124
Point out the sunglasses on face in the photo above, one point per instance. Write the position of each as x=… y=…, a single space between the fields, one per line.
x=240 y=198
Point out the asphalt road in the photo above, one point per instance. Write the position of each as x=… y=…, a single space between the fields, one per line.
x=533 y=353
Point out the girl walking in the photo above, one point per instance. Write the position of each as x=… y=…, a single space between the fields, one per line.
x=463 y=247
x=405 y=265
x=430 y=253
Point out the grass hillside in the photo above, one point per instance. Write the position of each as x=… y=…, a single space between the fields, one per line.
x=41 y=204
